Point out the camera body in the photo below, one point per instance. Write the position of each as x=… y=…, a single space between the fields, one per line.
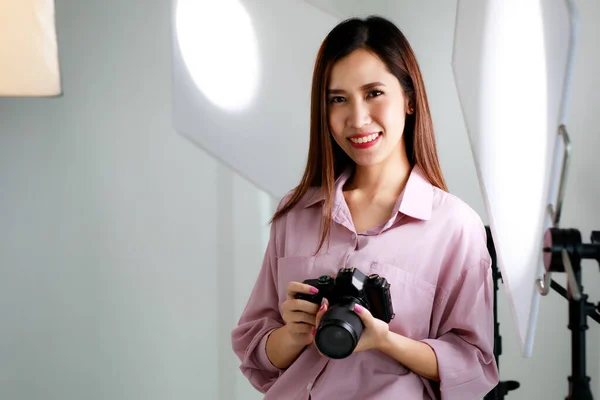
x=371 y=292
x=340 y=328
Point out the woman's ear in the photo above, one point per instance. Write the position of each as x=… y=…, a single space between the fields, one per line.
x=408 y=104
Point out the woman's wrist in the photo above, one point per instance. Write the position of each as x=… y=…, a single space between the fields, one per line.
x=281 y=348
x=416 y=356
x=387 y=343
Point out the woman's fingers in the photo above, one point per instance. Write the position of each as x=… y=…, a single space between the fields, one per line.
x=302 y=317
x=303 y=328
x=321 y=311
x=294 y=288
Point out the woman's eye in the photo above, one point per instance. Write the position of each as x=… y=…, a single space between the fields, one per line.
x=336 y=99
x=375 y=93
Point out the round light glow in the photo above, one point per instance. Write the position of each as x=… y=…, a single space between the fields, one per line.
x=219 y=48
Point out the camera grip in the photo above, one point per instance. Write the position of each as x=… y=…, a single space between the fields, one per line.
x=313 y=298
x=323 y=284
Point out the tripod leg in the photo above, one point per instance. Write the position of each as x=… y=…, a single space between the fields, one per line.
x=502 y=388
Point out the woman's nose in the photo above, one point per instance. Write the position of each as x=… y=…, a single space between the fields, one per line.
x=359 y=115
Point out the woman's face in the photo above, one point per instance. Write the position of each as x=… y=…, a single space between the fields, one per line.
x=366 y=109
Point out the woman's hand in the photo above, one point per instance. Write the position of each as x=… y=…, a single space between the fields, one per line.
x=374 y=334
x=299 y=315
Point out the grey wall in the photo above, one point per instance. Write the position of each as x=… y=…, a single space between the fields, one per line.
x=124 y=250
x=127 y=253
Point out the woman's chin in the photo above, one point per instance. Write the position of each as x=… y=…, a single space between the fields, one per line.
x=367 y=160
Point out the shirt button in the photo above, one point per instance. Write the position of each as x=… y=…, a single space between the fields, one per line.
x=309 y=386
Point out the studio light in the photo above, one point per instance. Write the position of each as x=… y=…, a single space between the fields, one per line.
x=219 y=47
x=29 y=65
x=242 y=74
x=512 y=63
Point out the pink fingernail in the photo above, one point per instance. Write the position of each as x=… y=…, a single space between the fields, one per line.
x=322 y=307
x=313 y=331
x=314 y=290
x=358 y=308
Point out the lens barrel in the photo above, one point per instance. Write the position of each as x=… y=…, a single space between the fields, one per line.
x=339 y=331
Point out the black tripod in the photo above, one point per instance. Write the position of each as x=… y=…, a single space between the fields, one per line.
x=563 y=246
x=502 y=388
x=564 y=251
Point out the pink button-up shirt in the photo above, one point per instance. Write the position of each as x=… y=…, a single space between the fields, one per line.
x=432 y=251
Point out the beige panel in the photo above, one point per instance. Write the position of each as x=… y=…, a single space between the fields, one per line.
x=28 y=49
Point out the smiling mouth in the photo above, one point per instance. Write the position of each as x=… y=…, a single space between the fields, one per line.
x=365 y=139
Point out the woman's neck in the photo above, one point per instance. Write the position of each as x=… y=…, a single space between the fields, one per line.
x=386 y=178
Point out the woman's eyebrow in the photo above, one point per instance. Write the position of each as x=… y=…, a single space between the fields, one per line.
x=363 y=87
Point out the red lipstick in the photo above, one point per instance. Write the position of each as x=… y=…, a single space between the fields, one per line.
x=364 y=140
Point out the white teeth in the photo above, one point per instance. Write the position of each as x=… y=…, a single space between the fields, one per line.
x=365 y=139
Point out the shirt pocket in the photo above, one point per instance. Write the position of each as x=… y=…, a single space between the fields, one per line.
x=412 y=300
x=292 y=269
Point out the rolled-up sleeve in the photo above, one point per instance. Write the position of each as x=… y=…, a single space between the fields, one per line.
x=464 y=343
x=260 y=317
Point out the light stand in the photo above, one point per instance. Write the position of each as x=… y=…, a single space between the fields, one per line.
x=502 y=388
x=563 y=252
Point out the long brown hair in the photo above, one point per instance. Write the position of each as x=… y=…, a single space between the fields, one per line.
x=326 y=160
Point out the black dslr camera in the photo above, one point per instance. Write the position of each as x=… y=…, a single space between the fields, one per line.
x=340 y=328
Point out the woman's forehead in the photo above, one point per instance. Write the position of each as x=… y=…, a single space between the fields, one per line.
x=357 y=69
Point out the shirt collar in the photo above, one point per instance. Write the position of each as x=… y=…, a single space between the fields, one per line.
x=416 y=200
x=318 y=196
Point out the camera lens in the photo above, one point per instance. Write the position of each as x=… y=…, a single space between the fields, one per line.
x=339 y=331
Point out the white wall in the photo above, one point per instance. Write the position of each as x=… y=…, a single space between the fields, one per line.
x=126 y=253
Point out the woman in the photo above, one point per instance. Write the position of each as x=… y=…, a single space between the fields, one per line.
x=372 y=197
